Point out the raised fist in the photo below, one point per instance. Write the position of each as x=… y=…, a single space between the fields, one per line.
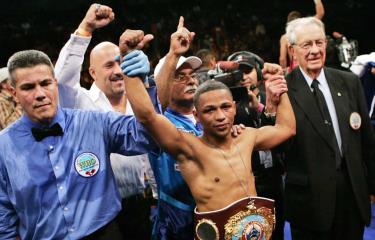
x=96 y=17
x=133 y=40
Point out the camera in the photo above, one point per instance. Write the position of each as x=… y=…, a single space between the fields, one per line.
x=228 y=73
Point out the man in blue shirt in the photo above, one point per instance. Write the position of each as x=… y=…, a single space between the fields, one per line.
x=56 y=181
x=176 y=82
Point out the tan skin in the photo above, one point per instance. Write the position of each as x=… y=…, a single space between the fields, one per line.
x=107 y=74
x=202 y=164
x=37 y=93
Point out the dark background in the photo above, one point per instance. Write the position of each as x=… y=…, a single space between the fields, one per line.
x=223 y=26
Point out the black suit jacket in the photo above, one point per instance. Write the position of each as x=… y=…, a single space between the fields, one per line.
x=310 y=187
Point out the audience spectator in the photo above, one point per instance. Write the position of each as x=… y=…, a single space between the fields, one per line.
x=267 y=165
x=10 y=109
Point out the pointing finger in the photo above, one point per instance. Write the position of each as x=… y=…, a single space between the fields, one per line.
x=180 y=22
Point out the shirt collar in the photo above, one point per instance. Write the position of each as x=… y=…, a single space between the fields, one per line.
x=321 y=78
x=58 y=118
x=95 y=92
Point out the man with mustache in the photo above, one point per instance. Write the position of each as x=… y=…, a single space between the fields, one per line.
x=107 y=93
x=176 y=82
x=216 y=166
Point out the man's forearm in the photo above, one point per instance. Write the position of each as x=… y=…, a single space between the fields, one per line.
x=319 y=9
x=165 y=77
x=285 y=115
x=140 y=100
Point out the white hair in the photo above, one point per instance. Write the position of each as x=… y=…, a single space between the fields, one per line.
x=297 y=24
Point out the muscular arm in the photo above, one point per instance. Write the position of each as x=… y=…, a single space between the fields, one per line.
x=163 y=131
x=319 y=9
x=285 y=127
x=134 y=66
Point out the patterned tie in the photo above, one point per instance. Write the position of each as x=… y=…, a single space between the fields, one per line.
x=41 y=133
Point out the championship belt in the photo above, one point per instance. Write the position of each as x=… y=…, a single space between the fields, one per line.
x=250 y=218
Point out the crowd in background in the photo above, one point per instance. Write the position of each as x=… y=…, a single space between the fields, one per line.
x=224 y=27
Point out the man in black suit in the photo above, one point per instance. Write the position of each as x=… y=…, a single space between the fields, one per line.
x=330 y=163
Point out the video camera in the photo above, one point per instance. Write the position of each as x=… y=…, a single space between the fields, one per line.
x=228 y=72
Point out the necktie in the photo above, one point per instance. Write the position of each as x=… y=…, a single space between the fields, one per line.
x=41 y=133
x=321 y=101
x=322 y=104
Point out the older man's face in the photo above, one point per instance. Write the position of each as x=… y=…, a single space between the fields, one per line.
x=310 y=48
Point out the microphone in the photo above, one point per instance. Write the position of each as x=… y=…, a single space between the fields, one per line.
x=228 y=65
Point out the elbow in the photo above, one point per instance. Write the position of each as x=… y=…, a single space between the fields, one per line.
x=146 y=117
x=292 y=131
x=292 y=126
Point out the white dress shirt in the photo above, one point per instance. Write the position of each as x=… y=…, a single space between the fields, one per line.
x=129 y=171
x=323 y=86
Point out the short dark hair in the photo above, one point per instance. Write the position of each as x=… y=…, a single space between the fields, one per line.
x=206 y=56
x=27 y=59
x=208 y=86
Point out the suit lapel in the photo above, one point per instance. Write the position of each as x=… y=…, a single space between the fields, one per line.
x=341 y=101
x=305 y=101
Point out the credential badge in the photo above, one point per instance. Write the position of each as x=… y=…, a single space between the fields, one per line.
x=355 y=120
x=87 y=164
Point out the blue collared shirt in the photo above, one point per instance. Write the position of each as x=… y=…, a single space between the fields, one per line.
x=63 y=187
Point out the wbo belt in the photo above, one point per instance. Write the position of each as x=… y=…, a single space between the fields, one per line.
x=247 y=218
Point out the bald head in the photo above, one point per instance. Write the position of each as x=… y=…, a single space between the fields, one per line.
x=106 y=71
x=100 y=50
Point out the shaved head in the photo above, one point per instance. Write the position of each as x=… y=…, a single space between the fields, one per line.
x=106 y=71
x=100 y=49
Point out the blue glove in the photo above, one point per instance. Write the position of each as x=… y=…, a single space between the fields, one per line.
x=135 y=64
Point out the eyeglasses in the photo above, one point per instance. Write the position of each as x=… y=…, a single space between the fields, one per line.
x=320 y=43
x=185 y=78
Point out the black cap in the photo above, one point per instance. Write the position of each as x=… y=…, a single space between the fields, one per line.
x=244 y=60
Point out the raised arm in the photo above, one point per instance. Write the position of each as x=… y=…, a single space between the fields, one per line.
x=319 y=9
x=283 y=58
x=180 y=43
x=285 y=126
x=68 y=65
x=164 y=132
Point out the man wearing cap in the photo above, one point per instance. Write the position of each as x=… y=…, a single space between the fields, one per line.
x=175 y=212
x=10 y=110
x=267 y=165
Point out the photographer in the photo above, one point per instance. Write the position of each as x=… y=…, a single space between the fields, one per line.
x=259 y=111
